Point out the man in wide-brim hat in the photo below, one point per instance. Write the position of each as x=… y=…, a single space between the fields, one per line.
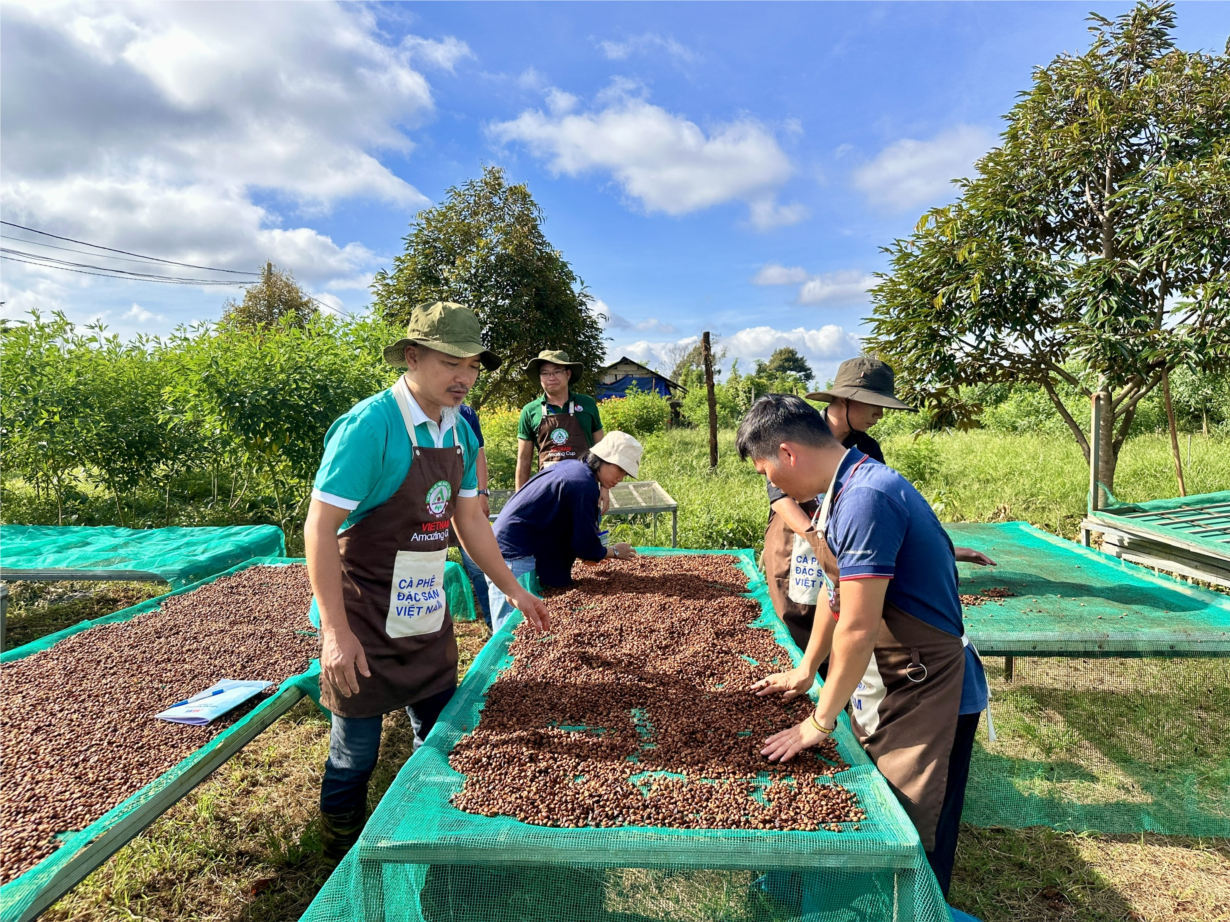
x=398 y=473
x=560 y=425
x=862 y=390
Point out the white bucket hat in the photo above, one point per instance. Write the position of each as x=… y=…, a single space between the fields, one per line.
x=620 y=449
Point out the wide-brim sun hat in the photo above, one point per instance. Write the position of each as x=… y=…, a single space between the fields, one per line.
x=866 y=380
x=555 y=357
x=450 y=328
x=622 y=450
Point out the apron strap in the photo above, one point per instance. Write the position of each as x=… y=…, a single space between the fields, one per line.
x=401 y=392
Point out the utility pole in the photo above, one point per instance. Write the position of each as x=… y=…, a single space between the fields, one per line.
x=707 y=352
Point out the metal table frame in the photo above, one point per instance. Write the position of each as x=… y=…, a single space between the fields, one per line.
x=64 y=575
x=628 y=498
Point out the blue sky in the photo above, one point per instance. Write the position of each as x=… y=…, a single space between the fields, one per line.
x=731 y=167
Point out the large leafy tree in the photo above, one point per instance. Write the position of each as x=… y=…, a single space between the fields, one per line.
x=1092 y=250
x=484 y=247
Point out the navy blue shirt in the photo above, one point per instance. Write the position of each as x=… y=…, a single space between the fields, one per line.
x=880 y=526
x=468 y=414
x=554 y=519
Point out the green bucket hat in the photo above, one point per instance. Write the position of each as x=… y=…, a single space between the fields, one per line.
x=866 y=380
x=556 y=357
x=446 y=327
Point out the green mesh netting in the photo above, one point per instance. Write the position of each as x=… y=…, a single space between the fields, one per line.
x=420 y=858
x=178 y=555
x=85 y=849
x=1200 y=522
x=1112 y=702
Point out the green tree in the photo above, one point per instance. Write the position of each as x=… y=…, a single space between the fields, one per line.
x=1091 y=249
x=484 y=247
x=275 y=296
x=787 y=361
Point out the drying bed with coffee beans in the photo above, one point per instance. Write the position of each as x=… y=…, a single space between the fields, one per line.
x=77 y=725
x=636 y=710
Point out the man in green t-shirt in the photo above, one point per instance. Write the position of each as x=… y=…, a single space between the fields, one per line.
x=398 y=474
x=559 y=425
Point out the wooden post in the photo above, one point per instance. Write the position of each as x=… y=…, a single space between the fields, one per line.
x=707 y=352
x=1174 y=434
x=1095 y=453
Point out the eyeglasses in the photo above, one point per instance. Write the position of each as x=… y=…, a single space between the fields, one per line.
x=552 y=374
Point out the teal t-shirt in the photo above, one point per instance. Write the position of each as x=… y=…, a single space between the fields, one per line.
x=367 y=456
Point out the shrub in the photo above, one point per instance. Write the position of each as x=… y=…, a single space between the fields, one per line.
x=640 y=413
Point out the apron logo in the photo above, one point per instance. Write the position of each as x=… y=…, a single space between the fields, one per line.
x=559 y=436
x=438 y=496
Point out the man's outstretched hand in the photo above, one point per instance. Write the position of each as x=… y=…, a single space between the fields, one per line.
x=534 y=609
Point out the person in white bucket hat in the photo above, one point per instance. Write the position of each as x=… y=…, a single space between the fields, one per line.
x=552 y=521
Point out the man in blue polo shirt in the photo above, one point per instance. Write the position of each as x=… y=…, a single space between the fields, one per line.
x=890 y=622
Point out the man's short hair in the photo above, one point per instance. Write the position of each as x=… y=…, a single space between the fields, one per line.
x=778 y=418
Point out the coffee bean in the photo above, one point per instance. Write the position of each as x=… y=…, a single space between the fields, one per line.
x=77 y=727
x=635 y=711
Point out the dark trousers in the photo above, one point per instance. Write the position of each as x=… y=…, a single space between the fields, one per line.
x=944 y=855
x=354 y=746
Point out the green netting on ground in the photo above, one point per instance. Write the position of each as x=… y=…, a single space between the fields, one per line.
x=1075 y=601
x=83 y=850
x=178 y=555
x=1201 y=521
x=1116 y=714
x=457 y=591
x=420 y=858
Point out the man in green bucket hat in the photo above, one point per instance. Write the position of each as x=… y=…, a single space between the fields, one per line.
x=561 y=425
x=398 y=474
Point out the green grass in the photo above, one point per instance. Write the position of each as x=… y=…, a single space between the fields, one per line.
x=245 y=845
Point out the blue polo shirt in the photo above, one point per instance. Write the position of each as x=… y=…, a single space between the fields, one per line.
x=554 y=519
x=880 y=526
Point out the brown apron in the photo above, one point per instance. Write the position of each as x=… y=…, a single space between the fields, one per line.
x=904 y=712
x=560 y=437
x=778 y=554
x=393 y=586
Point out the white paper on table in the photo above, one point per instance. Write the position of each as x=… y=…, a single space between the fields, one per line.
x=212 y=703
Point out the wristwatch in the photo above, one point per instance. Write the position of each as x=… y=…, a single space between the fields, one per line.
x=484 y=492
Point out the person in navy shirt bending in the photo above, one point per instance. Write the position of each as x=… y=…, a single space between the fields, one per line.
x=552 y=521
x=890 y=621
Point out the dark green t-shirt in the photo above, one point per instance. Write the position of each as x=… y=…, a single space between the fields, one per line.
x=586 y=412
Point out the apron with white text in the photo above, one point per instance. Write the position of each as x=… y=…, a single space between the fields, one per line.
x=779 y=566
x=560 y=437
x=393 y=585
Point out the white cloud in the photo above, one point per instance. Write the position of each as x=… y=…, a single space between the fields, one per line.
x=775 y=274
x=153 y=127
x=645 y=44
x=767 y=214
x=823 y=346
x=616 y=321
x=666 y=162
x=910 y=173
x=141 y=315
x=843 y=287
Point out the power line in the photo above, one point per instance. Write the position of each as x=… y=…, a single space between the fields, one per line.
x=39 y=243
x=118 y=273
x=166 y=280
x=169 y=262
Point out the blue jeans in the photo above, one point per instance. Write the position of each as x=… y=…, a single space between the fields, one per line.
x=501 y=609
x=479 y=581
x=354 y=746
